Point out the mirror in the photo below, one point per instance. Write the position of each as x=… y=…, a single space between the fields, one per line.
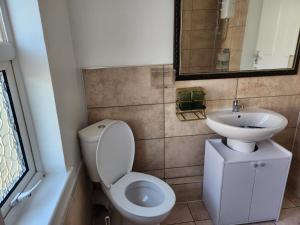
x=236 y=38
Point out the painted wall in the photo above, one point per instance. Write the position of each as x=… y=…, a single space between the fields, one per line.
x=113 y=33
x=34 y=65
x=65 y=76
x=52 y=80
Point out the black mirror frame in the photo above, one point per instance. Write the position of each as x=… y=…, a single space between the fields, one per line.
x=220 y=75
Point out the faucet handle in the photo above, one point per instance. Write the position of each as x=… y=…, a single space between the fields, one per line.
x=236 y=102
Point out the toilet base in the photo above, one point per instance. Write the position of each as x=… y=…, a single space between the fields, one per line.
x=118 y=219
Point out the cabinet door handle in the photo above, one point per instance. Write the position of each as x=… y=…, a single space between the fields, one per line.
x=262 y=164
x=255 y=165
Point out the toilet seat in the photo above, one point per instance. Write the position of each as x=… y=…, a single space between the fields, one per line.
x=118 y=196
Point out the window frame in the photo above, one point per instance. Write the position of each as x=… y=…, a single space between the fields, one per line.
x=21 y=184
x=9 y=64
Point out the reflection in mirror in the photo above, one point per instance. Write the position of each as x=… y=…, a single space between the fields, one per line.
x=219 y=36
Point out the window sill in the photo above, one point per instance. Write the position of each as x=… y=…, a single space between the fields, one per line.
x=48 y=203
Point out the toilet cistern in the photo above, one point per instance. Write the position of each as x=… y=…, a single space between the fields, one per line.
x=108 y=149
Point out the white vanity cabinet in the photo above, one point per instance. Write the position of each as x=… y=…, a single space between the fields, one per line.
x=244 y=187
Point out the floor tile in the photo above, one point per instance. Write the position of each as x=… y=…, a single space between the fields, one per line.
x=188 y=192
x=179 y=214
x=204 y=222
x=293 y=198
x=263 y=223
x=187 y=223
x=289 y=217
x=287 y=203
x=198 y=210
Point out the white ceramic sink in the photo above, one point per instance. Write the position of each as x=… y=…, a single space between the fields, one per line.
x=243 y=129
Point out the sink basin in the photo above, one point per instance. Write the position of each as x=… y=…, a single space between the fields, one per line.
x=243 y=129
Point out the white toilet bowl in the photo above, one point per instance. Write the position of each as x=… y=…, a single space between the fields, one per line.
x=108 y=150
x=142 y=199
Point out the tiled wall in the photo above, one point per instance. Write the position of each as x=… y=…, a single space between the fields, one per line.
x=144 y=97
x=294 y=178
x=198 y=35
x=202 y=40
x=234 y=36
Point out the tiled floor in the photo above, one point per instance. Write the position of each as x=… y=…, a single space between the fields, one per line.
x=194 y=213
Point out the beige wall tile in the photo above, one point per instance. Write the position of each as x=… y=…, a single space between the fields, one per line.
x=240 y=15
x=293 y=180
x=184 y=172
x=188 y=192
x=286 y=138
x=286 y=105
x=157 y=173
x=296 y=150
x=202 y=39
x=179 y=214
x=204 y=19
x=187 y=20
x=186 y=40
x=184 y=180
x=149 y=155
x=123 y=86
x=187 y=4
x=175 y=127
x=237 y=38
x=214 y=89
x=201 y=57
x=185 y=58
x=235 y=60
x=146 y=121
x=205 y=4
x=185 y=151
x=268 y=86
x=201 y=69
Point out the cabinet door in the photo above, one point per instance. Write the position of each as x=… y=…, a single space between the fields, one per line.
x=238 y=180
x=268 y=191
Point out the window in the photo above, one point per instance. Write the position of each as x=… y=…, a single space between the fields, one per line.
x=16 y=161
x=13 y=163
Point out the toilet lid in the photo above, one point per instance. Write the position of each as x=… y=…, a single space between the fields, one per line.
x=115 y=152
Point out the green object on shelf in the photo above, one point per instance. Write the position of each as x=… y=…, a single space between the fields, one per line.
x=190 y=104
x=198 y=99
x=185 y=99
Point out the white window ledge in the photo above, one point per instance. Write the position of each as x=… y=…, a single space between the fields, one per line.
x=48 y=203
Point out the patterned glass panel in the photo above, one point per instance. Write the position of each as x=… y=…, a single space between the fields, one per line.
x=13 y=165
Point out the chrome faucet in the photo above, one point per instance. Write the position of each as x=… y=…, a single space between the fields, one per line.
x=236 y=105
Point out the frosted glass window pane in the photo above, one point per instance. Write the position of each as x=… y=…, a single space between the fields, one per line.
x=13 y=165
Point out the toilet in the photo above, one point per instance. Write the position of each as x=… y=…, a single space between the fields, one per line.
x=108 y=149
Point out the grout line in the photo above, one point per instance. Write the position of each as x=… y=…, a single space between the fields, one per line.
x=248 y=97
x=164 y=120
x=237 y=87
x=122 y=106
x=165 y=103
x=269 y=96
x=184 y=167
x=191 y=135
x=295 y=133
x=190 y=211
